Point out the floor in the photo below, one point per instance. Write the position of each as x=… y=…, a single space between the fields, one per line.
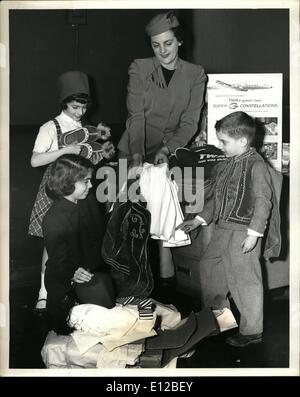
x=28 y=333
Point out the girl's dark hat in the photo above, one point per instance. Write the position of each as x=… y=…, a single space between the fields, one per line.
x=73 y=82
x=161 y=23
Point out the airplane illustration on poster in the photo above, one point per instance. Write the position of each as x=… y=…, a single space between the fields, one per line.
x=244 y=87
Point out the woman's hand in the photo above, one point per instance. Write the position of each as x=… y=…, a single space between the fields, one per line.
x=137 y=160
x=135 y=166
x=82 y=276
x=248 y=244
x=162 y=156
x=189 y=225
x=72 y=149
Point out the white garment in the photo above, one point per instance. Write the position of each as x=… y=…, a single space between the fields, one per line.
x=60 y=351
x=120 y=357
x=82 y=349
x=170 y=316
x=112 y=327
x=117 y=326
x=46 y=140
x=54 y=350
x=160 y=192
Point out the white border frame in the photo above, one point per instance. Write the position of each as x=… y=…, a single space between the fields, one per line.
x=293 y=6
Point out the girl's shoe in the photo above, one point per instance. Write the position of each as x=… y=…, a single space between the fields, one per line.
x=95 y=151
x=88 y=134
x=77 y=136
x=40 y=306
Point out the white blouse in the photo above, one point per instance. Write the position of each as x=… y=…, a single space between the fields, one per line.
x=46 y=140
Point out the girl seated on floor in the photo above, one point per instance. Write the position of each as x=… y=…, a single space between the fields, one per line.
x=73 y=230
x=63 y=135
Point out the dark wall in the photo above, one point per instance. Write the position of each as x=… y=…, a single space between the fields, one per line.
x=245 y=41
x=43 y=45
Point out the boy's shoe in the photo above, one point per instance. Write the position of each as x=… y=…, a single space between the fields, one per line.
x=240 y=340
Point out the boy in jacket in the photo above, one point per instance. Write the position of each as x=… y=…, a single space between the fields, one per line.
x=239 y=203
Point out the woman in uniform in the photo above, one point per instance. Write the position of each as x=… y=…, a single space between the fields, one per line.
x=164 y=102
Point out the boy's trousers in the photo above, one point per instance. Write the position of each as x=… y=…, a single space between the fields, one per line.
x=224 y=268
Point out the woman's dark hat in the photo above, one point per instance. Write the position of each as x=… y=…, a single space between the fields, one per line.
x=161 y=23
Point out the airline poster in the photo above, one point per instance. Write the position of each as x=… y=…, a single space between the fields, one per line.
x=259 y=95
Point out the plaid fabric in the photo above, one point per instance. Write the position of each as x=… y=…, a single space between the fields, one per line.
x=41 y=206
x=42 y=202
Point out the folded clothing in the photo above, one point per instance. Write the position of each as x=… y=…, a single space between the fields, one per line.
x=117 y=326
x=62 y=352
x=161 y=195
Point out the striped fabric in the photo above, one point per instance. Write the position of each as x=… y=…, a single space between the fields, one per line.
x=145 y=306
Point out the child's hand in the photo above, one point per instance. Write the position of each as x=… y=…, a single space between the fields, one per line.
x=103 y=131
x=248 y=244
x=190 y=225
x=82 y=276
x=108 y=150
x=72 y=149
x=96 y=158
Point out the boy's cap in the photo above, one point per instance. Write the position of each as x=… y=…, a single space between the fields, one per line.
x=161 y=23
x=73 y=82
